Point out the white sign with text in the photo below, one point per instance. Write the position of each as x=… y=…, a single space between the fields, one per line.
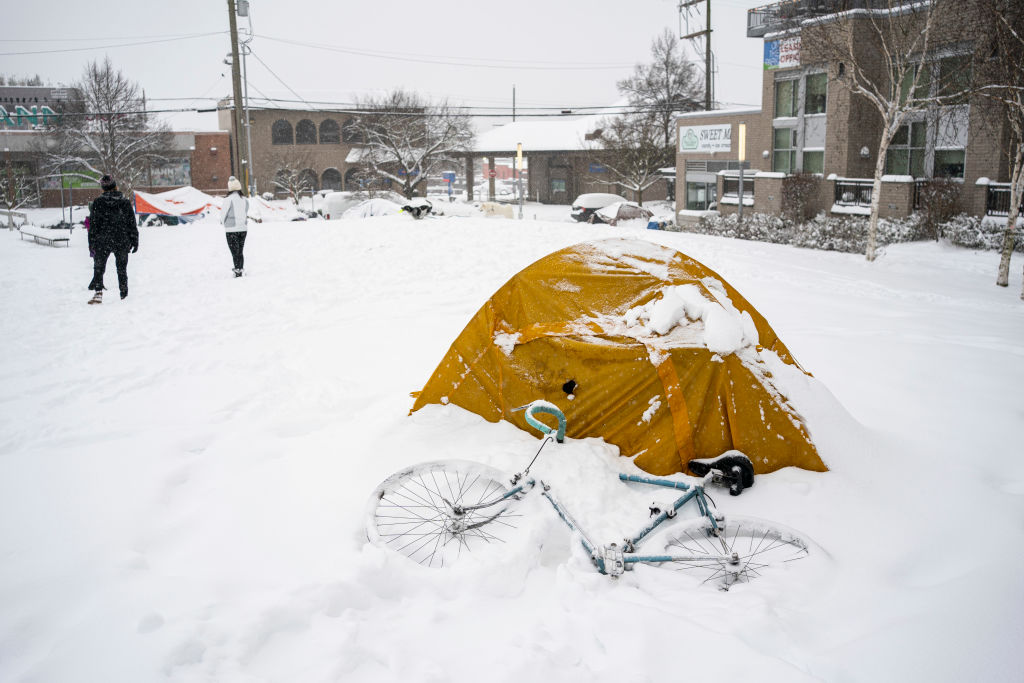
x=706 y=138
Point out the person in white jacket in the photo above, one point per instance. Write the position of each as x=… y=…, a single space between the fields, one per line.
x=234 y=216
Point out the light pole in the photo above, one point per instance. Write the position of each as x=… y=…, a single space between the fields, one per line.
x=243 y=11
x=742 y=157
x=519 y=176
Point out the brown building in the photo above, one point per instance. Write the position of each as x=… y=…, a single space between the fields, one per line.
x=810 y=122
x=315 y=143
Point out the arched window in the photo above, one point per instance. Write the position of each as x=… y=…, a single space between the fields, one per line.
x=330 y=133
x=331 y=179
x=308 y=180
x=281 y=133
x=349 y=132
x=353 y=179
x=305 y=132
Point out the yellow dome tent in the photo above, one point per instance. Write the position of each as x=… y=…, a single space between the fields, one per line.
x=638 y=344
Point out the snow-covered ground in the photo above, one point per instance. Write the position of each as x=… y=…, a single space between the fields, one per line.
x=183 y=474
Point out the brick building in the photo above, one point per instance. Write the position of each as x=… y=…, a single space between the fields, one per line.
x=318 y=143
x=810 y=122
x=200 y=159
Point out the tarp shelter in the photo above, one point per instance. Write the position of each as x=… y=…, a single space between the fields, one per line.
x=638 y=344
x=184 y=202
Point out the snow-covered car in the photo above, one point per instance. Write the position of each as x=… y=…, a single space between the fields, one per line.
x=586 y=204
x=337 y=204
x=621 y=211
x=372 y=207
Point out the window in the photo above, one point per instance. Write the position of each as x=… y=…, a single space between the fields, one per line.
x=907 y=150
x=815 y=88
x=786 y=98
x=281 y=133
x=349 y=131
x=731 y=186
x=949 y=163
x=305 y=132
x=923 y=75
x=784 y=156
x=330 y=133
x=954 y=79
x=331 y=178
x=699 y=196
x=814 y=161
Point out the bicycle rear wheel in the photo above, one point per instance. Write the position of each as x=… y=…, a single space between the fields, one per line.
x=747 y=548
x=419 y=512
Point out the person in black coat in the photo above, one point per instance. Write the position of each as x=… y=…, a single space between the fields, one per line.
x=112 y=230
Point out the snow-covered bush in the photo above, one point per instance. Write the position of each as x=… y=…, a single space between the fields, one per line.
x=837 y=233
x=979 y=233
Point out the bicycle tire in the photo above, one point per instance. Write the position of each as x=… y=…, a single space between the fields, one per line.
x=761 y=547
x=408 y=514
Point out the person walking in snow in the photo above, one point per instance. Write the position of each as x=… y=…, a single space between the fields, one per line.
x=112 y=230
x=234 y=216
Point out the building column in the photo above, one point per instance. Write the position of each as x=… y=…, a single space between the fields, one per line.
x=469 y=178
x=490 y=178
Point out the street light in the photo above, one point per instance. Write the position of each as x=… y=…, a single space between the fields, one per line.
x=742 y=158
x=519 y=176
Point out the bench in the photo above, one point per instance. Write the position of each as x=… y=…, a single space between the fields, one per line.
x=53 y=237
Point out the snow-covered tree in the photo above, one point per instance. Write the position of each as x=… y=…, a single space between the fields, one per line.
x=999 y=67
x=632 y=149
x=17 y=190
x=667 y=86
x=109 y=133
x=886 y=55
x=406 y=138
x=293 y=173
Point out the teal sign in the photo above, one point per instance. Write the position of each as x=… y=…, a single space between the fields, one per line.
x=37 y=116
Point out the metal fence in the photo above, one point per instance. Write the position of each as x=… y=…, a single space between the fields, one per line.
x=853 y=192
x=997 y=203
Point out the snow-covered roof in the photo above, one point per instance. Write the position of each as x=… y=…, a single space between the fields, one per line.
x=554 y=134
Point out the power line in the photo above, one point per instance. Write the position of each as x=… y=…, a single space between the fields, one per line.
x=453 y=61
x=108 y=47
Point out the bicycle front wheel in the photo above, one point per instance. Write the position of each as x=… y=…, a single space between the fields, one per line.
x=745 y=549
x=434 y=513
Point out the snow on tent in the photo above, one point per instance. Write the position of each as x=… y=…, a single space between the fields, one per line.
x=184 y=203
x=638 y=344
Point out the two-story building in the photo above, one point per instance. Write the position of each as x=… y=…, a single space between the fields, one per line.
x=811 y=123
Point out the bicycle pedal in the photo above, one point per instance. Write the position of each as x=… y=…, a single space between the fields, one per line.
x=611 y=561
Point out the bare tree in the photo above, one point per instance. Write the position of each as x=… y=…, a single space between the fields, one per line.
x=999 y=69
x=110 y=133
x=17 y=190
x=633 y=151
x=884 y=54
x=407 y=139
x=293 y=173
x=668 y=85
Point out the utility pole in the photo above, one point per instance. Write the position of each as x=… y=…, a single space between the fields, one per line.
x=236 y=90
x=684 y=7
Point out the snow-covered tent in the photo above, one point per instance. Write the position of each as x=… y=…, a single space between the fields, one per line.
x=185 y=203
x=640 y=345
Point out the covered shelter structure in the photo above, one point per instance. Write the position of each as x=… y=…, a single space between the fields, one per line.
x=640 y=345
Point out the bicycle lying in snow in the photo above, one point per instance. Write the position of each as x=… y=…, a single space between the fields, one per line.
x=435 y=512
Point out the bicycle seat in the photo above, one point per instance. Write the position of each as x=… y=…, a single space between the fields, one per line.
x=736 y=468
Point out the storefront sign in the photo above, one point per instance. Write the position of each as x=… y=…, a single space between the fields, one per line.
x=705 y=138
x=36 y=116
x=782 y=54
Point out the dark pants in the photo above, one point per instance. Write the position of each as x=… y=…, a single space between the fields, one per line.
x=99 y=266
x=236 y=243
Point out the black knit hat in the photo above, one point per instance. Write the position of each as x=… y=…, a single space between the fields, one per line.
x=108 y=183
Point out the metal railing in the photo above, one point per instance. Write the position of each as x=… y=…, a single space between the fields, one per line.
x=762 y=20
x=997 y=202
x=853 y=192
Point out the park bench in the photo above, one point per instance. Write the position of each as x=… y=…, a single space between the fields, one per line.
x=53 y=237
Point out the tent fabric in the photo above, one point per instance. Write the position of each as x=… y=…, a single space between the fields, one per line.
x=669 y=362
x=184 y=201
x=188 y=202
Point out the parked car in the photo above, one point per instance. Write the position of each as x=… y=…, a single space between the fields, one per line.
x=586 y=204
x=620 y=211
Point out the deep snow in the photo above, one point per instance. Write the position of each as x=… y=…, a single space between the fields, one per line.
x=183 y=474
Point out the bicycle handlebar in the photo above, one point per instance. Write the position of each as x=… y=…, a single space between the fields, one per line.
x=548 y=409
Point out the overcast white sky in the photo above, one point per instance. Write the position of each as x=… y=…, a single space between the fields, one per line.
x=557 y=53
